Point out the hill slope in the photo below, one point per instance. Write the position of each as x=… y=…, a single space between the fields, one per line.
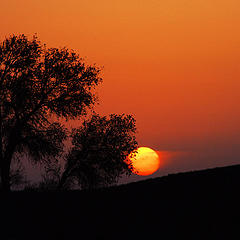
x=193 y=205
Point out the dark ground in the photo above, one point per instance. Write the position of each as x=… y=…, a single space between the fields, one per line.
x=194 y=205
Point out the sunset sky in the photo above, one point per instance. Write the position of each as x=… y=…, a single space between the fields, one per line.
x=174 y=65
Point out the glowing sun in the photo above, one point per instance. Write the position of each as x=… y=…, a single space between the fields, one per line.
x=145 y=161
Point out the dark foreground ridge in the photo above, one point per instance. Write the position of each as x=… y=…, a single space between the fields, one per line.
x=193 y=205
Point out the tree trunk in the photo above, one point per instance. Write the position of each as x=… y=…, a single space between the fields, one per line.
x=62 y=181
x=7 y=154
x=6 y=166
x=7 y=159
x=5 y=176
x=65 y=175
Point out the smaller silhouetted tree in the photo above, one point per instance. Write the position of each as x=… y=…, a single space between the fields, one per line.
x=99 y=151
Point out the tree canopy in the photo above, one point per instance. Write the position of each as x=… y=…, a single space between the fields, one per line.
x=99 y=151
x=37 y=83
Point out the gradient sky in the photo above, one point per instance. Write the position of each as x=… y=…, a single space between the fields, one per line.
x=173 y=64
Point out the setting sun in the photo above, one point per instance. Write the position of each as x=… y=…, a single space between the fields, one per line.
x=145 y=161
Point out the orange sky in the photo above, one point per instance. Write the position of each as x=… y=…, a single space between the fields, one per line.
x=173 y=64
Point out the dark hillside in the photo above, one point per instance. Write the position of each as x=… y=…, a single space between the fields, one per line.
x=193 y=205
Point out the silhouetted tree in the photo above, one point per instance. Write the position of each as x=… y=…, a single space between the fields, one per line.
x=38 y=88
x=99 y=151
x=35 y=83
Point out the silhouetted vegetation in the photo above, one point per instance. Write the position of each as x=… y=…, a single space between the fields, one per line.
x=194 y=205
x=99 y=151
x=38 y=85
